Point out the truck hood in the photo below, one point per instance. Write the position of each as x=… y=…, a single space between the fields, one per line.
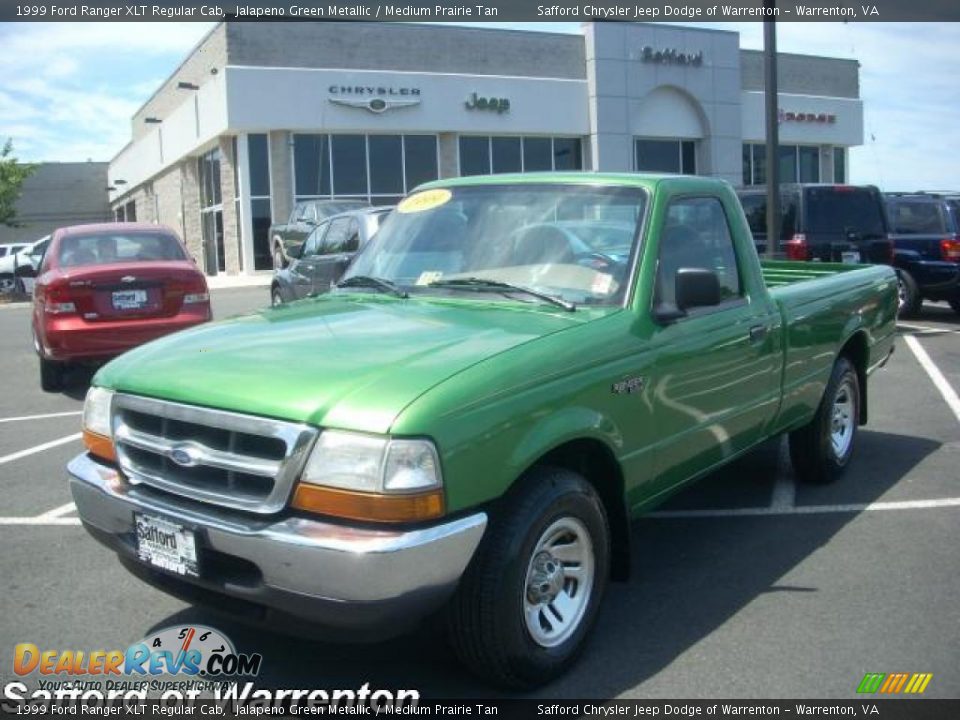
x=348 y=361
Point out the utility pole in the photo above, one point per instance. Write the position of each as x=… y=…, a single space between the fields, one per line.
x=773 y=129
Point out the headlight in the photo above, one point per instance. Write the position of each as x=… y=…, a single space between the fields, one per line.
x=373 y=478
x=97 y=433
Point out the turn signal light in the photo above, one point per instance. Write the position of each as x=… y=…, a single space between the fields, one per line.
x=372 y=507
x=99 y=445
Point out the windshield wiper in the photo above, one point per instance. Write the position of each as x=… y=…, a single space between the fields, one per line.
x=484 y=285
x=368 y=281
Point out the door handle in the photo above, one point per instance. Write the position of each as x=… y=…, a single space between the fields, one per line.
x=758 y=333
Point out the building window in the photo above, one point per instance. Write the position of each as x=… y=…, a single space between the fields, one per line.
x=798 y=163
x=211 y=212
x=671 y=156
x=258 y=150
x=839 y=165
x=377 y=168
x=483 y=154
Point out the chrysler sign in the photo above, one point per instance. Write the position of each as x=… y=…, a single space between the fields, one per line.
x=375 y=98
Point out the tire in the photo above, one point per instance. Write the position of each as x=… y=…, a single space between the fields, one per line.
x=275 y=297
x=279 y=260
x=955 y=304
x=51 y=375
x=514 y=580
x=909 y=300
x=821 y=450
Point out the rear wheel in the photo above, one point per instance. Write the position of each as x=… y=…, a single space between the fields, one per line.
x=908 y=295
x=51 y=375
x=821 y=449
x=528 y=599
x=275 y=297
x=279 y=261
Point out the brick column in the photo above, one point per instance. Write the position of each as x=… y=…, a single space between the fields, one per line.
x=231 y=223
x=281 y=175
x=192 y=234
x=448 y=155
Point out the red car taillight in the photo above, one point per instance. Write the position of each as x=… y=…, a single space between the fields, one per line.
x=796 y=247
x=59 y=301
x=950 y=248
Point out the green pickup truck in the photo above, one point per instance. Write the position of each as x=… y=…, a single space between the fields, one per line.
x=509 y=373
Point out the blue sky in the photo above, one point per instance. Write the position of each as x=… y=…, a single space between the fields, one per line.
x=68 y=90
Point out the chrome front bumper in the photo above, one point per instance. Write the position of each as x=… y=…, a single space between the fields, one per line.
x=332 y=575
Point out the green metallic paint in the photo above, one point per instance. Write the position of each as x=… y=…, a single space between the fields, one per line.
x=498 y=384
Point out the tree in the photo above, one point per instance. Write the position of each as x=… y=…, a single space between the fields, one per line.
x=12 y=175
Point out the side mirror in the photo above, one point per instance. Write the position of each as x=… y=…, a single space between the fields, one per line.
x=697 y=287
x=694 y=287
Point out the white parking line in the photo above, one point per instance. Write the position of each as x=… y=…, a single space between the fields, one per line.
x=40 y=417
x=949 y=394
x=39 y=448
x=57 y=512
x=39 y=520
x=926 y=329
x=807 y=509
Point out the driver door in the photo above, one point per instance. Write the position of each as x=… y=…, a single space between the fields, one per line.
x=304 y=268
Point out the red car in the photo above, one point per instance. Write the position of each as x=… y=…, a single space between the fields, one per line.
x=103 y=289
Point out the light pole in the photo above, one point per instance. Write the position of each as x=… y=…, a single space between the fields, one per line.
x=773 y=139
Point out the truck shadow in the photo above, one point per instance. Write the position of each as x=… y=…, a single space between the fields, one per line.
x=690 y=575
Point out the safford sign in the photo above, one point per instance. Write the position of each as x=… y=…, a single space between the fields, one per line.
x=805 y=117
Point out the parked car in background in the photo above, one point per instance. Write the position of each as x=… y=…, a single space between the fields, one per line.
x=103 y=289
x=321 y=260
x=11 y=248
x=825 y=223
x=286 y=238
x=926 y=234
x=19 y=268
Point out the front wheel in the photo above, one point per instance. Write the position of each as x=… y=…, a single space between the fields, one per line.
x=821 y=449
x=528 y=599
x=275 y=297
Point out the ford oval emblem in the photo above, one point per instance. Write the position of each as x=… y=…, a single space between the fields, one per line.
x=182 y=456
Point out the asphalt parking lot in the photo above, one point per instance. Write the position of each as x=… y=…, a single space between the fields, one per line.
x=744 y=586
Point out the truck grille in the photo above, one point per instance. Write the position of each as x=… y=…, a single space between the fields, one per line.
x=214 y=456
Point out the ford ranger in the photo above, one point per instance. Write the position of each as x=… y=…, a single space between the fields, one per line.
x=512 y=370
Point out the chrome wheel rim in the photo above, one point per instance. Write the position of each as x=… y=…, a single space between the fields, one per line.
x=842 y=420
x=8 y=285
x=559 y=582
x=275 y=297
x=901 y=293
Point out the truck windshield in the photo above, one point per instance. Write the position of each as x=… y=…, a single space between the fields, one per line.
x=572 y=242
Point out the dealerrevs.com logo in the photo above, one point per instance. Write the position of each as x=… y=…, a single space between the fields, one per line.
x=194 y=650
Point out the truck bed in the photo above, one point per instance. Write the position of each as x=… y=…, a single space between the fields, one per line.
x=777 y=273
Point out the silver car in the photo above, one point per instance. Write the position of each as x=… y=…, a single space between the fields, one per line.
x=326 y=253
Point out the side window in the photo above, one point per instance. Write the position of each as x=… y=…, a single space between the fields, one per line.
x=336 y=240
x=312 y=244
x=696 y=235
x=353 y=237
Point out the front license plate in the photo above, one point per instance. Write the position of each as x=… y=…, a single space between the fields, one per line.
x=129 y=299
x=166 y=545
x=850 y=258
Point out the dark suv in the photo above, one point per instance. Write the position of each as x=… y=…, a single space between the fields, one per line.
x=825 y=223
x=926 y=236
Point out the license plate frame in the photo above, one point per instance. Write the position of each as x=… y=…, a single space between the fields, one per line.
x=128 y=299
x=851 y=257
x=166 y=545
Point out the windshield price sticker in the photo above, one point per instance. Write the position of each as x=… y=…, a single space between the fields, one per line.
x=426 y=200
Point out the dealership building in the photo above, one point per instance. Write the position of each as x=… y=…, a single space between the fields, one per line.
x=261 y=115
